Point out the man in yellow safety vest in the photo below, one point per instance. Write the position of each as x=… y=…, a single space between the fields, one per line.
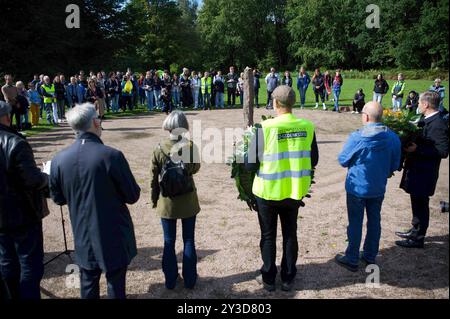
x=284 y=153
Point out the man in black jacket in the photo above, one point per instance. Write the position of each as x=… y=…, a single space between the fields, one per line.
x=421 y=171
x=96 y=182
x=22 y=207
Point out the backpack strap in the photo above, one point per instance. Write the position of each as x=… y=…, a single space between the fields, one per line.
x=160 y=148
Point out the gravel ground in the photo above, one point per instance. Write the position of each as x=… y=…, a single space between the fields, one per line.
x=228 y=234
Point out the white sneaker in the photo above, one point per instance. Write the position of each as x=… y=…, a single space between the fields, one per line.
x=324 y=106
x=317 y=106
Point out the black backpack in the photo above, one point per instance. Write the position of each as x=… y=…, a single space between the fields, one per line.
x=174 y=179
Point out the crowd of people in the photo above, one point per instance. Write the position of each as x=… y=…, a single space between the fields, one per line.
x=97 y=184
x=163 y=91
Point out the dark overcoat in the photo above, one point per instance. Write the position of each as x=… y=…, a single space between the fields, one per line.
x=96 y=183
x=421 y=171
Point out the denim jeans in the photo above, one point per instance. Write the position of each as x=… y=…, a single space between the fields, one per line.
x=176 y=98
x=115 y=103
x=169 y=261
x=55 y=112
x=268 y=217
x=206 y=101
x=25 y=118
x=302 y=92
x=150 y=100
x=355 y=210
x=157 y=95
x=241 y=98
x=336 y=94
x=378 y=97
x=397 y=104
x=220 y=102
x=48 y=110
x=196 y=96
x=21 y=262
x=90 y=279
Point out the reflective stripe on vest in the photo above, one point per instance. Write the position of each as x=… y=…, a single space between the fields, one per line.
x=49 y=90
x=285 y=165
x=285 y=155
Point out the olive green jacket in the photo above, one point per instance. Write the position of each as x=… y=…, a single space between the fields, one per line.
x=183 y=206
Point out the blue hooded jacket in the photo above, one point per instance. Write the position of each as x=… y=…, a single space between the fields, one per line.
x=372 y=154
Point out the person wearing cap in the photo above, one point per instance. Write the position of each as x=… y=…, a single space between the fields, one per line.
x=96 y=183
x=283 y=154
x=440 y=90
x=22 y=207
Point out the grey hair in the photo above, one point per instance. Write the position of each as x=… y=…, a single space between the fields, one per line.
x=175 y=120
x=81 y=116
x=431 y=98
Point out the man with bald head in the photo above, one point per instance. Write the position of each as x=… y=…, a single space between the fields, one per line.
x=372 y=154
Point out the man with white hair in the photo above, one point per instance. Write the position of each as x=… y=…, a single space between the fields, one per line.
x=421 y=168
x=96 y=182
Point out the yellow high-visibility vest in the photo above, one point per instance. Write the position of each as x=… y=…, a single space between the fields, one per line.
x=206 y=85
x=49 y=90
x=285 y=167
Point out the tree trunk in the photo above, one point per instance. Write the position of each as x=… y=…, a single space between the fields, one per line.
x=249 y=96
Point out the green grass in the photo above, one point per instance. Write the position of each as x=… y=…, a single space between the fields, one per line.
x=348 y=91
x=351 y=86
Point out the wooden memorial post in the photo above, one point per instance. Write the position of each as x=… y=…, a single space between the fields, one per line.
x=249 y=97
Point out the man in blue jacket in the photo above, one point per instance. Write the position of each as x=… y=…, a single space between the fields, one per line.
x=96 y=182
x=372 y=154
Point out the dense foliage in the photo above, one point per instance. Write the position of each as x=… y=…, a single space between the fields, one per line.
x=116 y=34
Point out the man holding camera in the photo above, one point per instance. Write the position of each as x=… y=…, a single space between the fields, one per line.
x=421 y=169
x=22 y=207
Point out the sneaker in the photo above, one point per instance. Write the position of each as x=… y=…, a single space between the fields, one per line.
x=317 y=106
x=342 y=261
x=269 y=288
x=324 y=107
x=287 y=286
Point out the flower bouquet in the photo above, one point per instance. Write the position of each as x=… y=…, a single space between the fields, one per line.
x=403 y=124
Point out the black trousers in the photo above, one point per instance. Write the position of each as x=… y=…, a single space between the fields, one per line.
x=421 y=213
x=16 y=113
x=268 y=217
x=21 y=262
x=320 y=93
x=90 y=283
x=231 y=96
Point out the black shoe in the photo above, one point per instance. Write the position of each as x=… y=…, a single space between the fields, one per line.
x=365 y=261
x=342 y=261
x=411 y=243
x=268 y=287
x=287 y=286
x=408 y=234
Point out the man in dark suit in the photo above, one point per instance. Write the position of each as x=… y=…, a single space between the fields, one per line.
x=421 y=171
x=97 y=184
x=22 y=207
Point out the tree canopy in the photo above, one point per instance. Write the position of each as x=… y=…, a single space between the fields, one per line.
x=143 y=34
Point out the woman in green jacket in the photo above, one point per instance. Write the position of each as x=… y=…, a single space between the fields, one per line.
x=184 y=207
x=398 y=90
